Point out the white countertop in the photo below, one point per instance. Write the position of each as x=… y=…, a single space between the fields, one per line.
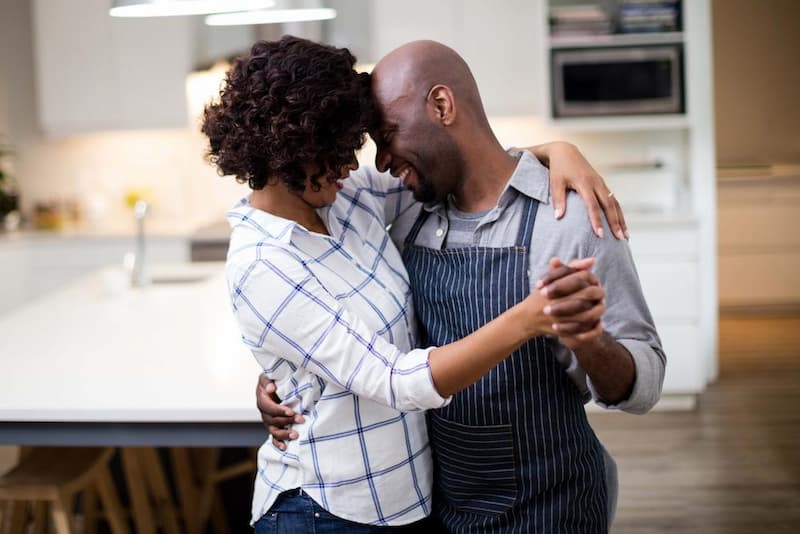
x=100 y=351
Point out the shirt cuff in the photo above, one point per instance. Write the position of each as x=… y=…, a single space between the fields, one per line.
x=649 y=365
x=415 y=387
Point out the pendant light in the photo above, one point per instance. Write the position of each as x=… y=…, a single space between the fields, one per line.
x=270 y=16
x=169 y=8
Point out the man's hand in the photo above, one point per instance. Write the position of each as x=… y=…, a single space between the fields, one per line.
x=577 y=301
x=570 y=170
x=277 y=419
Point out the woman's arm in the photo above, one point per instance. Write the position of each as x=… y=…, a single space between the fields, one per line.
x=570 y=170
x=303 y=324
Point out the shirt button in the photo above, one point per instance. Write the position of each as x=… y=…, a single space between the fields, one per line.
x=316 y=514
x=439 y=232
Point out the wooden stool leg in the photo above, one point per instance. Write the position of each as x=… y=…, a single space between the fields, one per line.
x=89 y=510
x=40 y=517
x=219 y=519
x=140 y=506
x=60 y=510
x=111 y=505
x=209 y=460
x=160 y=491
x=183 y=474
x=16 y=517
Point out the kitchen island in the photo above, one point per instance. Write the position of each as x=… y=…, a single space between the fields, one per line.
x=101 y=363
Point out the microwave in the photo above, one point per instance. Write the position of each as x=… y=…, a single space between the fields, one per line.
x=624 y=80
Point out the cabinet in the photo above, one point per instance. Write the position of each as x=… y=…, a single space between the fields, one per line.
x=95 y=72
x=666 y=256
x=498 y=41
x=662 y=169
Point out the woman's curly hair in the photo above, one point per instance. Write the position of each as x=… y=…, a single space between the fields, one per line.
x=288 y=108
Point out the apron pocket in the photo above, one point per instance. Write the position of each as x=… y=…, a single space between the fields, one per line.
x=476 y=471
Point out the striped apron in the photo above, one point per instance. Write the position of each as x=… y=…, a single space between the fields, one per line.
x=514 y=452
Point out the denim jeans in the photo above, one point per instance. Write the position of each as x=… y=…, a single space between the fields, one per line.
x=294 y=512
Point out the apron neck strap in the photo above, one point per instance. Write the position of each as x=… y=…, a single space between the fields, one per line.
x=412 y=235
x=526 y=222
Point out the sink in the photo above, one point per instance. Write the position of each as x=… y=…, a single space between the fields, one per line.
x=184 y=273
x=181 y=279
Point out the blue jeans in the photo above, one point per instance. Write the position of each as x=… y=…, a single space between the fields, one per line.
x=294 y=512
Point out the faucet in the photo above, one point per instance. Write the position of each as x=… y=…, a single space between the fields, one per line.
x=138 y=272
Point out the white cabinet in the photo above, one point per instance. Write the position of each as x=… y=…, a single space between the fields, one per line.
x=95 y=72
x=666 y=256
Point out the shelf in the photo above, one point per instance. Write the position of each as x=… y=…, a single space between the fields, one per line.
x=621 y=123
x=617 y=39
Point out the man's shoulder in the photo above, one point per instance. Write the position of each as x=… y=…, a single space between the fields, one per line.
x=574 y=226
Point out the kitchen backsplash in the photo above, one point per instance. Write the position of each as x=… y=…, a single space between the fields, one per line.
x=97 y=171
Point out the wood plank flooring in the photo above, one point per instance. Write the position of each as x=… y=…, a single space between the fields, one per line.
x=733 y=464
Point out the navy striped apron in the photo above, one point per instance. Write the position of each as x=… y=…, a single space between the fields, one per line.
x=514 y=452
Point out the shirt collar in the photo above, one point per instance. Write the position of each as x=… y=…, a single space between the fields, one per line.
x=245 y=215
x=530 y=178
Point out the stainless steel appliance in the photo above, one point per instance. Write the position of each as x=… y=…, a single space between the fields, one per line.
x=620 y=80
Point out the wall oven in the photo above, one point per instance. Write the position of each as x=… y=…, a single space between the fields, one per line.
x=623 y=80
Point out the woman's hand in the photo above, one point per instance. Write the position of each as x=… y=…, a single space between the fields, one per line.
x=567 y=301
x=570 y=170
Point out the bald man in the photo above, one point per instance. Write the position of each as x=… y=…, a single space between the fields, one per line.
x=514 y=452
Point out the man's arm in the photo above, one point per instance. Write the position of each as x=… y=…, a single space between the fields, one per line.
x=624 y=368
x=608 y=363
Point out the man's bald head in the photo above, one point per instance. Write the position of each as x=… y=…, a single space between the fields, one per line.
x=431 y=117
x=413 y=69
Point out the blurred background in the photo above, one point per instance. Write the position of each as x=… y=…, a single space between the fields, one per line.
x=688 y=108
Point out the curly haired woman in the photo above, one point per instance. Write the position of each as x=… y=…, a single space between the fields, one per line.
x=322 y=298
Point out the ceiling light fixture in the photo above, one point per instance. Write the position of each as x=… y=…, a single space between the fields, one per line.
x=270 y=16
x=171 y=8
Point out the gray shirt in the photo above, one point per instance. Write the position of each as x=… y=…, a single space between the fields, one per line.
x=627 y=317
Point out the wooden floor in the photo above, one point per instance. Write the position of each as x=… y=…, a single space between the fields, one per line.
x=733 y=464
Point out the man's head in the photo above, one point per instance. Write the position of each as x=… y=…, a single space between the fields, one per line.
x=429 y=110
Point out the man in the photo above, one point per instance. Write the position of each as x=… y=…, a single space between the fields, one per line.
x=514 y=452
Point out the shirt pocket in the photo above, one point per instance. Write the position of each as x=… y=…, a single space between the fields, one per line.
x=476 y=467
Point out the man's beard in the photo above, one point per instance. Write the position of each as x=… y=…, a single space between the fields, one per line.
x=425 y=191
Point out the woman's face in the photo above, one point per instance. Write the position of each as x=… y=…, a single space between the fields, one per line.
x=327 y=191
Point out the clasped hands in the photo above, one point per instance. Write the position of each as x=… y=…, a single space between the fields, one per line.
x=571 y=300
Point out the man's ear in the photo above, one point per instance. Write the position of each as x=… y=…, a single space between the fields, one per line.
x=442 y=104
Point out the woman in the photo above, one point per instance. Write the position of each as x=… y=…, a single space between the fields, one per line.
x=322 y=298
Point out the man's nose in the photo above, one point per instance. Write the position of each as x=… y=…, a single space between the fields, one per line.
x=382 y=160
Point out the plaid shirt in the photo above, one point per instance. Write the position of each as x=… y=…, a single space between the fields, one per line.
x=330 y=319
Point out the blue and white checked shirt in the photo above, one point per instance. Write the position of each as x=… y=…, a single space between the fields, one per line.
x=330 y=319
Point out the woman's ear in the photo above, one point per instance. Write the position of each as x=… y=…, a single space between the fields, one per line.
x=442 y=104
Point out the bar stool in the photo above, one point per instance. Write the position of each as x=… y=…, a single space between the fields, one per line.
x=53 y=476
